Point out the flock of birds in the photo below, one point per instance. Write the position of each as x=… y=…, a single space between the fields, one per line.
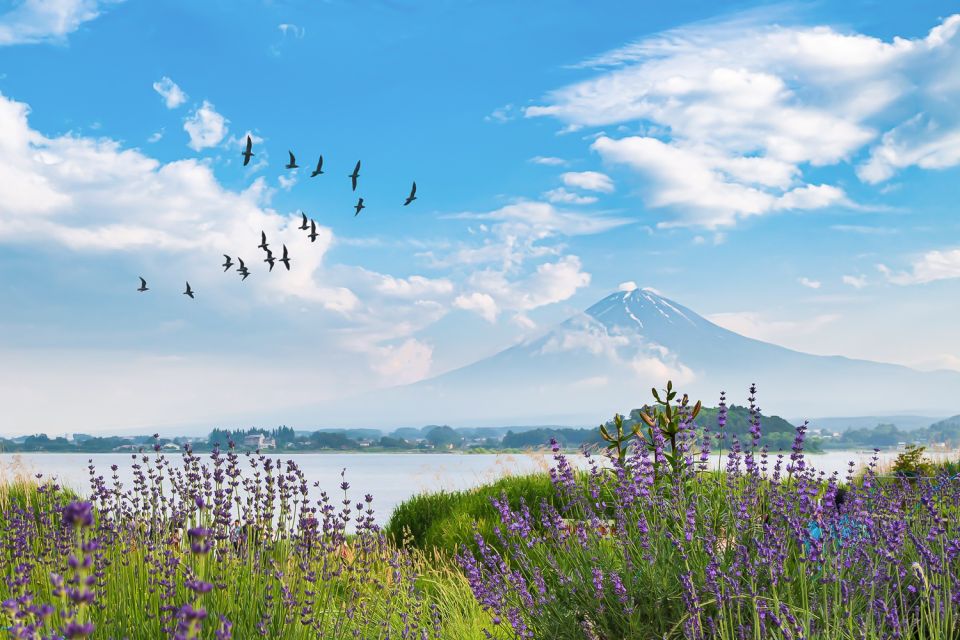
x=312 y=226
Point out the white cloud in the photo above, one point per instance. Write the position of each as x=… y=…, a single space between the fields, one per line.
x=760 y=327
x=737 y=111
x=173 y=96
x=549 y=283
x=810 y=284
x=502 y=114
x=292 y=30
x=287 y=183
x=413 y=287
x=32 y=21
x=930 y=267
x=156 y=136
x=206 y=127
x=481 y=303
x=589 y=180
x=408 y=362
x=857 y=282
x=921 y=141
x=550 y=161
x=562 y=196
x=628 y=286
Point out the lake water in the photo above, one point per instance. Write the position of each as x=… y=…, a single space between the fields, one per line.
x=391 y=478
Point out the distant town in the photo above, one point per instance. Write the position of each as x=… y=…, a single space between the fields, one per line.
x=778 y=435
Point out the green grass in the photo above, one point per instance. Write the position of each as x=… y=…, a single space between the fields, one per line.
x=445 y=520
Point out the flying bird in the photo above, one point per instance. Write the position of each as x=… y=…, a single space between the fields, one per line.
x=303 y=225
x=189 y=291
x=143 y=285
x=285 y=259
x=358 y=207
x=313 y=231
x=413 y=194
x=248 y=153
x=270 y=259
x=356 y=174
x=293 y=162
x=319 y=168
x=226 y=265
x=242 y=269
x=263 y=242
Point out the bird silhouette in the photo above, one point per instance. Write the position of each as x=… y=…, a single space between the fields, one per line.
x=226 y=265
x=356 y=174
x=413 y=194
x=143 y=285
x=270 y=259
x=263 y=242
x=293 y=162
x=285 y=259
x=313 y=231
x=242 y=269
x=319 y=168
x=358 y=207
x=248 y=153
x=189 y=291
x=303 y=225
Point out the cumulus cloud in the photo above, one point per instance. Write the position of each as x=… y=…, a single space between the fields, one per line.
x=930 y=267
x=736 y=112
x=206 y=127
x=32 y=21
x=810 y=284
x=588 y=180
x=173 y=96
x=481 y=303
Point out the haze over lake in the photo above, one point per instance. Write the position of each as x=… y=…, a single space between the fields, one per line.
x=391 y=478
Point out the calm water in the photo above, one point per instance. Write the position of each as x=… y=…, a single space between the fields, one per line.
x=391 y=478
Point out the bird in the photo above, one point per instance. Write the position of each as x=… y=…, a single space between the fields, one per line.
x=319 y=168
x=226 y=265
x=293 y=162
x=358 y=207
x=356 y=174
x=270 y=259
x=189 y=291
x=413 y=194
x=248 y=153
x=143 y=285
x=303 y=225
x=285 y=259
x=313 y=231
x=242 y=269
x=263 y=242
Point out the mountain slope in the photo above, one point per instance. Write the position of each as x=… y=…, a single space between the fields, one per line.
x=607 y=358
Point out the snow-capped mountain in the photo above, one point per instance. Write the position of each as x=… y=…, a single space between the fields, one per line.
x=606 y=359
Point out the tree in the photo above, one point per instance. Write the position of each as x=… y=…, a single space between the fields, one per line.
x=444 y=436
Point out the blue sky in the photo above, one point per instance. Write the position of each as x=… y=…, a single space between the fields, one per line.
x=788 y=170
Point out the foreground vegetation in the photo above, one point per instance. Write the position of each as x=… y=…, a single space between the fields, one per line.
x=647 y=541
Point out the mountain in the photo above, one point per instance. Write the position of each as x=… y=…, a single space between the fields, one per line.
x=606 y=359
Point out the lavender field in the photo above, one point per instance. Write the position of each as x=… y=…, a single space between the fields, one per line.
x=650 y=539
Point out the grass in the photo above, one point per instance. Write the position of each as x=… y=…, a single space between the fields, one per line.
x=442 y=521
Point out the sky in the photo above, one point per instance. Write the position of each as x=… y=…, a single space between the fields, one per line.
x=789 y=171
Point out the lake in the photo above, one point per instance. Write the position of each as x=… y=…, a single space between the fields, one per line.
x=391 y=478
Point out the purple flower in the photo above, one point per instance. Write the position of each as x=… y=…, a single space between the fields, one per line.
x=78 y=514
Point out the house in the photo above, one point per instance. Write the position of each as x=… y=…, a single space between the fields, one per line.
x=259 y=441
